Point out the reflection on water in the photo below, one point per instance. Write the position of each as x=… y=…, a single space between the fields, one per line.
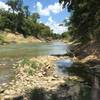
x=62 y=65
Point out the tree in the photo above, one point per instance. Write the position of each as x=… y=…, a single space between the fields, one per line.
x=16 y=7
x=26 y=11
x=84 y=21
x=19 y=19
x=13 y=5
x=65 y=35
x=35 y=17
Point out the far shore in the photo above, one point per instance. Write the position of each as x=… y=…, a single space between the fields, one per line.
x=9 y=37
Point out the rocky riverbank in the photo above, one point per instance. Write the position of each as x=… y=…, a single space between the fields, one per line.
x=36 y=78
x=39 y=73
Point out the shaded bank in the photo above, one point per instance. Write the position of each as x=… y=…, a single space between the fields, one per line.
x=90 y=73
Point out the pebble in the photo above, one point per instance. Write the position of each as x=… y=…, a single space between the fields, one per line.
x=1 y=90
x=40 y=74
x=55 y=76
x=4 y=84
x=10 y=97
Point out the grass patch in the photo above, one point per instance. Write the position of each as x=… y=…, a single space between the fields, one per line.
x=2 y=39
x=30 y=67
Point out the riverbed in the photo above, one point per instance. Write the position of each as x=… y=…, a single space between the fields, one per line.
x=10 y=54
x=46 y=77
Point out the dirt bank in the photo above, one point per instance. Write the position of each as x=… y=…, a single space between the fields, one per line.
x=18 y=38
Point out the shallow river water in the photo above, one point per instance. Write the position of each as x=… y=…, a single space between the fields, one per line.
x=33 y=49
x=9 y=54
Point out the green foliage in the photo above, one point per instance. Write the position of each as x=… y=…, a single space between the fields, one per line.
x=2 y=23
x=19 y=19
x=85 y=19
x=2 y=39
x=56 y=36
x=25 y=61
x=32 y=66
x=65 y=35
x=35 y=17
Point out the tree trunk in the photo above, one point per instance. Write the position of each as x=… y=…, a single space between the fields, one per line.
x=95 y=89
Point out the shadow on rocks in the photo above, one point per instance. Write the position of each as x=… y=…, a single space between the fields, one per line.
x=59 y=94
x=38 y=94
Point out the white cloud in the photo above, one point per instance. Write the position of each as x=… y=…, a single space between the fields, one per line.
x=55 y=26
x=54 y=8
x=39 y=6
x=4 y=6
x=50 y=19
x=42 y=11
x=45 y=12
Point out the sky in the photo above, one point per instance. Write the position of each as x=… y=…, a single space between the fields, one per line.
x=50 y=11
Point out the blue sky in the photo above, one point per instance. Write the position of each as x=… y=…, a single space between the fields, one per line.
x=51 y=12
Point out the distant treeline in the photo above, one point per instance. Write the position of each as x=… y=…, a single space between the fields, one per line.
x=19 y=19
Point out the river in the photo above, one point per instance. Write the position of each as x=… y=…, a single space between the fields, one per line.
x=9 y=54
x=33 y=49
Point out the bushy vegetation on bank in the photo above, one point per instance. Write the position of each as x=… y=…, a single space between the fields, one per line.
x=19 y=19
